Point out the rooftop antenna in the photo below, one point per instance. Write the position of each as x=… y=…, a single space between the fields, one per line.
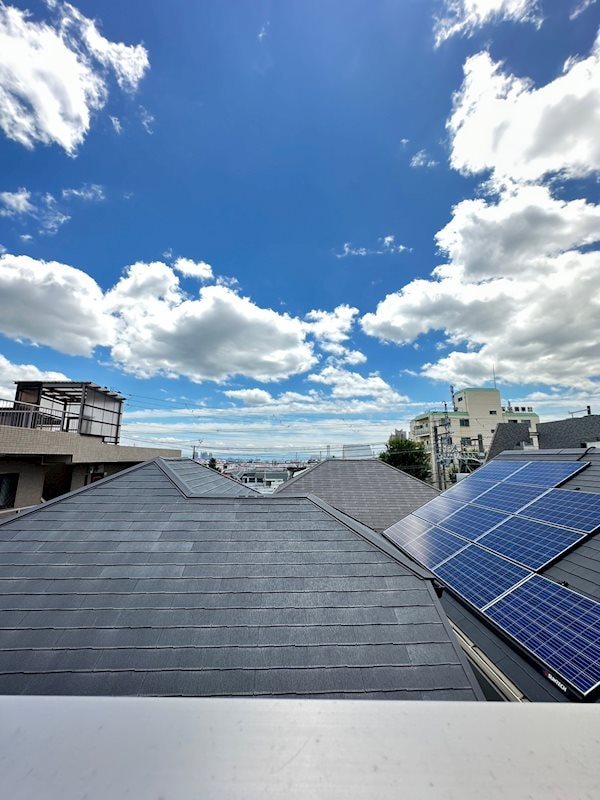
x=494 y=374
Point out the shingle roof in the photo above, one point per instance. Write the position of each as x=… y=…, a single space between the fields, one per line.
x=196 y=480
x=508 y=436
x=368 y=490
x=129 y=587
x=569 y=432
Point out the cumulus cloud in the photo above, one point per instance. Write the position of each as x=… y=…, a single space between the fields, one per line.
x=422 y=159
x=252 y=397
x=48 y=213
x=518 y=293
x=213 y=337
x=464 y=17
x=52 y=304
x=193 y=269
x=346 y=384
x=504 y=124
x=9 y=373
x=55 y=74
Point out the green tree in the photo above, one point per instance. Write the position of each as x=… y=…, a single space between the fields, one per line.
x=407 y=455
x=212 y=464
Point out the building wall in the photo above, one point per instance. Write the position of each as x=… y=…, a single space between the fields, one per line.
x=30 y=484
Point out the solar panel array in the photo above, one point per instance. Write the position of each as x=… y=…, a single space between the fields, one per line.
x=486 y=537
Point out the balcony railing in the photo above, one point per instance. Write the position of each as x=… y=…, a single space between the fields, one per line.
x=25 y=415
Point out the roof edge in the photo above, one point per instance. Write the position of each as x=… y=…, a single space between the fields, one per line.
x=163 y=465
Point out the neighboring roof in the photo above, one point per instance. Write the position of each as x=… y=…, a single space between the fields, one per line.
x=575 y=432
x=368 y=490
x=130 y=587
x=196 y=480
x=579 y=568
x=508 y=436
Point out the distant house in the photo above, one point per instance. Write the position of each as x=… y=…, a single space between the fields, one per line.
x=369 y=490
x=516 y=547
x=59 y=435
x=571 y=432
x=169 y=579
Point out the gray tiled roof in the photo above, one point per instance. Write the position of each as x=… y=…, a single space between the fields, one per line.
x=196 y=480
x=569 y=432
x=129 y=587
x=368 y=490
x=508 y=436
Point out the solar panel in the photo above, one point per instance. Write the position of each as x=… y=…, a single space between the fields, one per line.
x=407 y=529
x=531 y=543
x=479 y=576
x=509 y=496
x=434 y=547
x=467 y=489
x=438 y=508
x=547 y=473
x=500 y=470
x=560 y=627
x=580 y=510
x=472 y=521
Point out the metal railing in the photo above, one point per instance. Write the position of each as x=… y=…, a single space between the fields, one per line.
x=26 y=415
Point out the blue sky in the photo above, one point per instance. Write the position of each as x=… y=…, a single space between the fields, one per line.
x=232 y=212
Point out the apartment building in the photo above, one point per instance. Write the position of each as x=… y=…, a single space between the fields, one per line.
x=467 y=429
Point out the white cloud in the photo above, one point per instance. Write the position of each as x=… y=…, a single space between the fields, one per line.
x=421 y=159
x=464 y=17
x=331 y=326
x=9 y=373
x=220 y=334
x=117 y=125
x=252 y=397
x=14 y=203
x=504 y=124
x=264 y=31
x=517 y=294
x=147 y=120
x=54 y=75
x=404 y=142
x=345 y=384
x=49 y=303
x=24 y=237
x=193 y=269
x=386 y=245
x=89 y=191
x=580 y=8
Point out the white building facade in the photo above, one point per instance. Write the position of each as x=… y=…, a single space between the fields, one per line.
x=465 y=430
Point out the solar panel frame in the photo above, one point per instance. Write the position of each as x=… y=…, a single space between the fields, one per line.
x=547 y=473
x=509 y=497
x=477 y=564
x=472 y=521
x=521 y=539
x=407 y=529
x=438 y=509
x=556 y=625
x=434 y=547
x=497 y=471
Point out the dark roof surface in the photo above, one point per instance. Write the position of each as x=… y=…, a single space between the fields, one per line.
x=196 y=480
x=128 y=587
x=368 y=490
x=573 y=432
x=507 y=436
x=579 y=568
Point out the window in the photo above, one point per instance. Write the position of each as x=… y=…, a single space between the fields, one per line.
x=8 y=490
x=464 y=423
x=526 y=422
x=465 y=441
x=493 y=412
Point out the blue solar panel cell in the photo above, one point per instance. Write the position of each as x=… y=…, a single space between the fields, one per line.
x=560 y=627
x=433 y=547
x=438 y=509
x=531 y=543
x=407 y=529
x=500 y=470
x=547 y=473
x=467 y=490
x=472 y=521
x=479 y=576
x=579 y=510
x=509 y=496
